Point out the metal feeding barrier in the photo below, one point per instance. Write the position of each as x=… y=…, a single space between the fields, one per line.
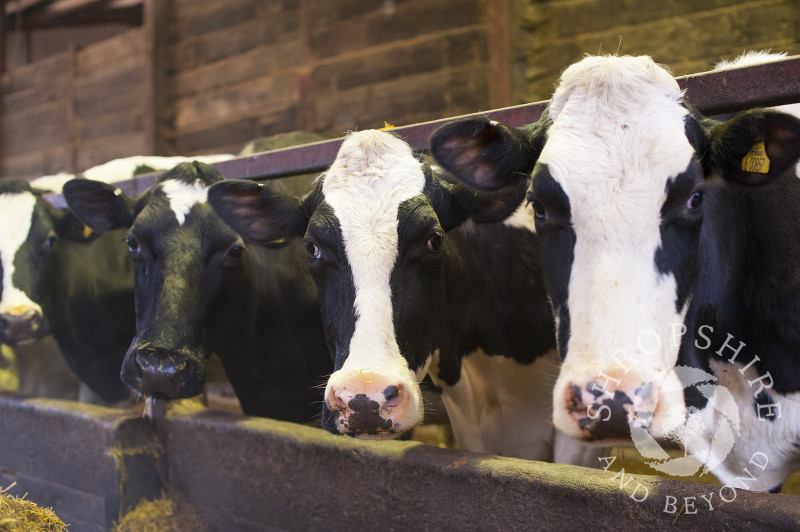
x=712 y=93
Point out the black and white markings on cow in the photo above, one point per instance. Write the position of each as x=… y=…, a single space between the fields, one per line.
x=200 y=289
x=407 y=286
x=656 y=229
x=60 y=279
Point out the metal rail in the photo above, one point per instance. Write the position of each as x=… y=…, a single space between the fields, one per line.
x=712 y=93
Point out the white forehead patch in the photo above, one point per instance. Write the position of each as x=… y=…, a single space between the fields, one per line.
x=16 y=215
x=618 y=135
x=182 y=197
x=372 y=175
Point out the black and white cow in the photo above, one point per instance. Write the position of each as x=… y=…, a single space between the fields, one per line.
x=201 y=290
x=670 y=251
x=407 y=287
x=58 y=278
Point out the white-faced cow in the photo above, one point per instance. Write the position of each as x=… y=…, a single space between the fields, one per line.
x=670 y=250
x=60 y=278
x=406 y=286
x=201 y=290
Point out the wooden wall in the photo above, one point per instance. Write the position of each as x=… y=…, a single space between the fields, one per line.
x=243 y=69
x=686 y=35
x=75 y=109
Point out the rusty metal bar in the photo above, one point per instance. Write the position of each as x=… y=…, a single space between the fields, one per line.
x=710 y=92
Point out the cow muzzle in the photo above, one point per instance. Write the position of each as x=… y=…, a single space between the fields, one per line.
x=607 y=407
x=20 y=325
x=369 y=405
x=163 y=373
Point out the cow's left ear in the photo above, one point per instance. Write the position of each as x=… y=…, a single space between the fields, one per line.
x=67 y=225
x=755 y=146
x=99 y=205
x=257 y=212
x=456 y=203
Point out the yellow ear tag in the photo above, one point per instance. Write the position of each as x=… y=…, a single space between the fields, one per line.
x=756 y=159
x=386 y=125
x=87 y=231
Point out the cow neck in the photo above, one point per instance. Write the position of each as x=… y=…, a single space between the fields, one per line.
x=494 y=296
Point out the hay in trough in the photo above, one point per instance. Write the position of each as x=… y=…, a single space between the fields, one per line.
x=167 y=514
x=20 y=515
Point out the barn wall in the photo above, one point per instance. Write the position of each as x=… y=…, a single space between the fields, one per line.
x=75 y=109
x=244 y=69
x=686 y=35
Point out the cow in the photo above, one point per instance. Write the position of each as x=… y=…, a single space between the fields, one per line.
x=409 y=284
x=670 y=257
x=200 y=289
x=60 y=279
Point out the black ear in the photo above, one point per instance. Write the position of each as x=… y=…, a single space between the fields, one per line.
x=99 y=205
x=487 y=155
x=454 y=204
x=257 y=212
x=755 y=146
x=67 y=225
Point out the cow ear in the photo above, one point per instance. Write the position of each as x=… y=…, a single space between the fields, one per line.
x=487 y=155
x=99 y=205
x=756 y=146
x=455 y=204
x=257 y=212
x=67 y=225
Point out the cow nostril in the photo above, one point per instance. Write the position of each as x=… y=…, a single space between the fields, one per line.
x=391 y=392
x=336 y=403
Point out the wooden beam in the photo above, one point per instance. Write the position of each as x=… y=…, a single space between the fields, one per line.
x=158 y=120
x=497 y=37
x=3 y=36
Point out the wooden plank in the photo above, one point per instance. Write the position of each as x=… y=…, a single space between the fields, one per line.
x=264 y=94
x=237 y=133
x=498 y=30
x=407 y=20
x=118 y=52
x=212 y=46
x=391 y=62
x=23 y=101
x=94 y=102
x=30 y=75
x=265 y=58
x=111 y=147
x=405 y=100
x=73 y=131
x=35 y=163
x=129 y=120
x=157 y=113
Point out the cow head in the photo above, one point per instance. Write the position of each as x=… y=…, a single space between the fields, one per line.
x=375 y=230
x=624 y=177
x=30 y=231
x=183 y=255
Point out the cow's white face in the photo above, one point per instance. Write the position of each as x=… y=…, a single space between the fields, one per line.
x=20 y=253
x=616 y=191
x=373 y=175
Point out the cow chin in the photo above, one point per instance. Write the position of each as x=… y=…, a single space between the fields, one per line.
x=611 y=409
x=163 y=374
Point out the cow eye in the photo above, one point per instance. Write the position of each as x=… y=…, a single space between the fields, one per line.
x=133 y=246
x=694 y=202
x=538 y=209
x=235 y=252
x=434 y=242
x=313 y=251
x=50 y=241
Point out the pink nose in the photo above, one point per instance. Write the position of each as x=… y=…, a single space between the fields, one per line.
x=370 y=404
x=604 y=408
